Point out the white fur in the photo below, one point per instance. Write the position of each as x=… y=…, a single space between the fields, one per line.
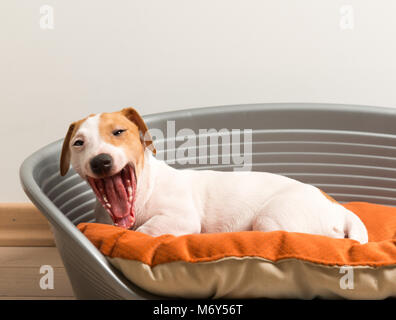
x=191 y=201
x=178 y=202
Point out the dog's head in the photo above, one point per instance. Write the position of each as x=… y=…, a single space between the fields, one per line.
x=107 y=150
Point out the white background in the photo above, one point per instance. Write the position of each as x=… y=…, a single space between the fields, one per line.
x=174 y=54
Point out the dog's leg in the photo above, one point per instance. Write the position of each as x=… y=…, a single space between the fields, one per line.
x=285 y=213
x=308 y=211
x=302 y=209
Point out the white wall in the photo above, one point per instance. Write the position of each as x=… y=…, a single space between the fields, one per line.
x=165 y=55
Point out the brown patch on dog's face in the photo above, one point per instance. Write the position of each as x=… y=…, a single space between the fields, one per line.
x=117 y=130
x=122 y=134
x=65 y=155
x=132 y=115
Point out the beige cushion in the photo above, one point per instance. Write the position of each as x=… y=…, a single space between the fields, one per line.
x=255 y=264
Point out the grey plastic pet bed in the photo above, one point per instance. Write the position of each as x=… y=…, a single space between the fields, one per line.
x=347 y=151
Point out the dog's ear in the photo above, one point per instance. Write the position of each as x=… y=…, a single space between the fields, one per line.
x=65 y=155
x=145 y=137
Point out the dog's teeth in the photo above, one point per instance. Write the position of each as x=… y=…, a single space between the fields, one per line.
x=129 y=193
x=105 y=199
x=108 y=205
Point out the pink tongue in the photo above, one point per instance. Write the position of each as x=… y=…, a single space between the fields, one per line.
x=118 y=199
x=125 y=222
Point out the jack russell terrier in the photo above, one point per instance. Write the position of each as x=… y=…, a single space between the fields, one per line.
x=114 y=153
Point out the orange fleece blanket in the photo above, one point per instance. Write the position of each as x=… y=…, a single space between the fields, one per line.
x=380 y=222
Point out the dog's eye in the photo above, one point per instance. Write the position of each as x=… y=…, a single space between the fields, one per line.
x=78 y=143
x=118 y=132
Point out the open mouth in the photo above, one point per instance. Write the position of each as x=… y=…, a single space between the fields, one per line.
x=116 y=193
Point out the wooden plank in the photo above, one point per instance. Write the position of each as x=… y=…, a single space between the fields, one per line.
x=22 y=213
x=22 y=224
x=20 y=273
x=26 y=237
x=29 y=257
x=25 y=282
x=37 y=298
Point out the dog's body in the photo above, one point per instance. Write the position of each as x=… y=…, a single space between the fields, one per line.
x=164 y=200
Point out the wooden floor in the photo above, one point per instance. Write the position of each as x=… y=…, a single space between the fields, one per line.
x=20 y=273
x=27 y=244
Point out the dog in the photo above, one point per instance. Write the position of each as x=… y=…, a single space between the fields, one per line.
x=115 y=154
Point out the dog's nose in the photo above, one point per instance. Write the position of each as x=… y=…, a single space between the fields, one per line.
x=101 y=164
